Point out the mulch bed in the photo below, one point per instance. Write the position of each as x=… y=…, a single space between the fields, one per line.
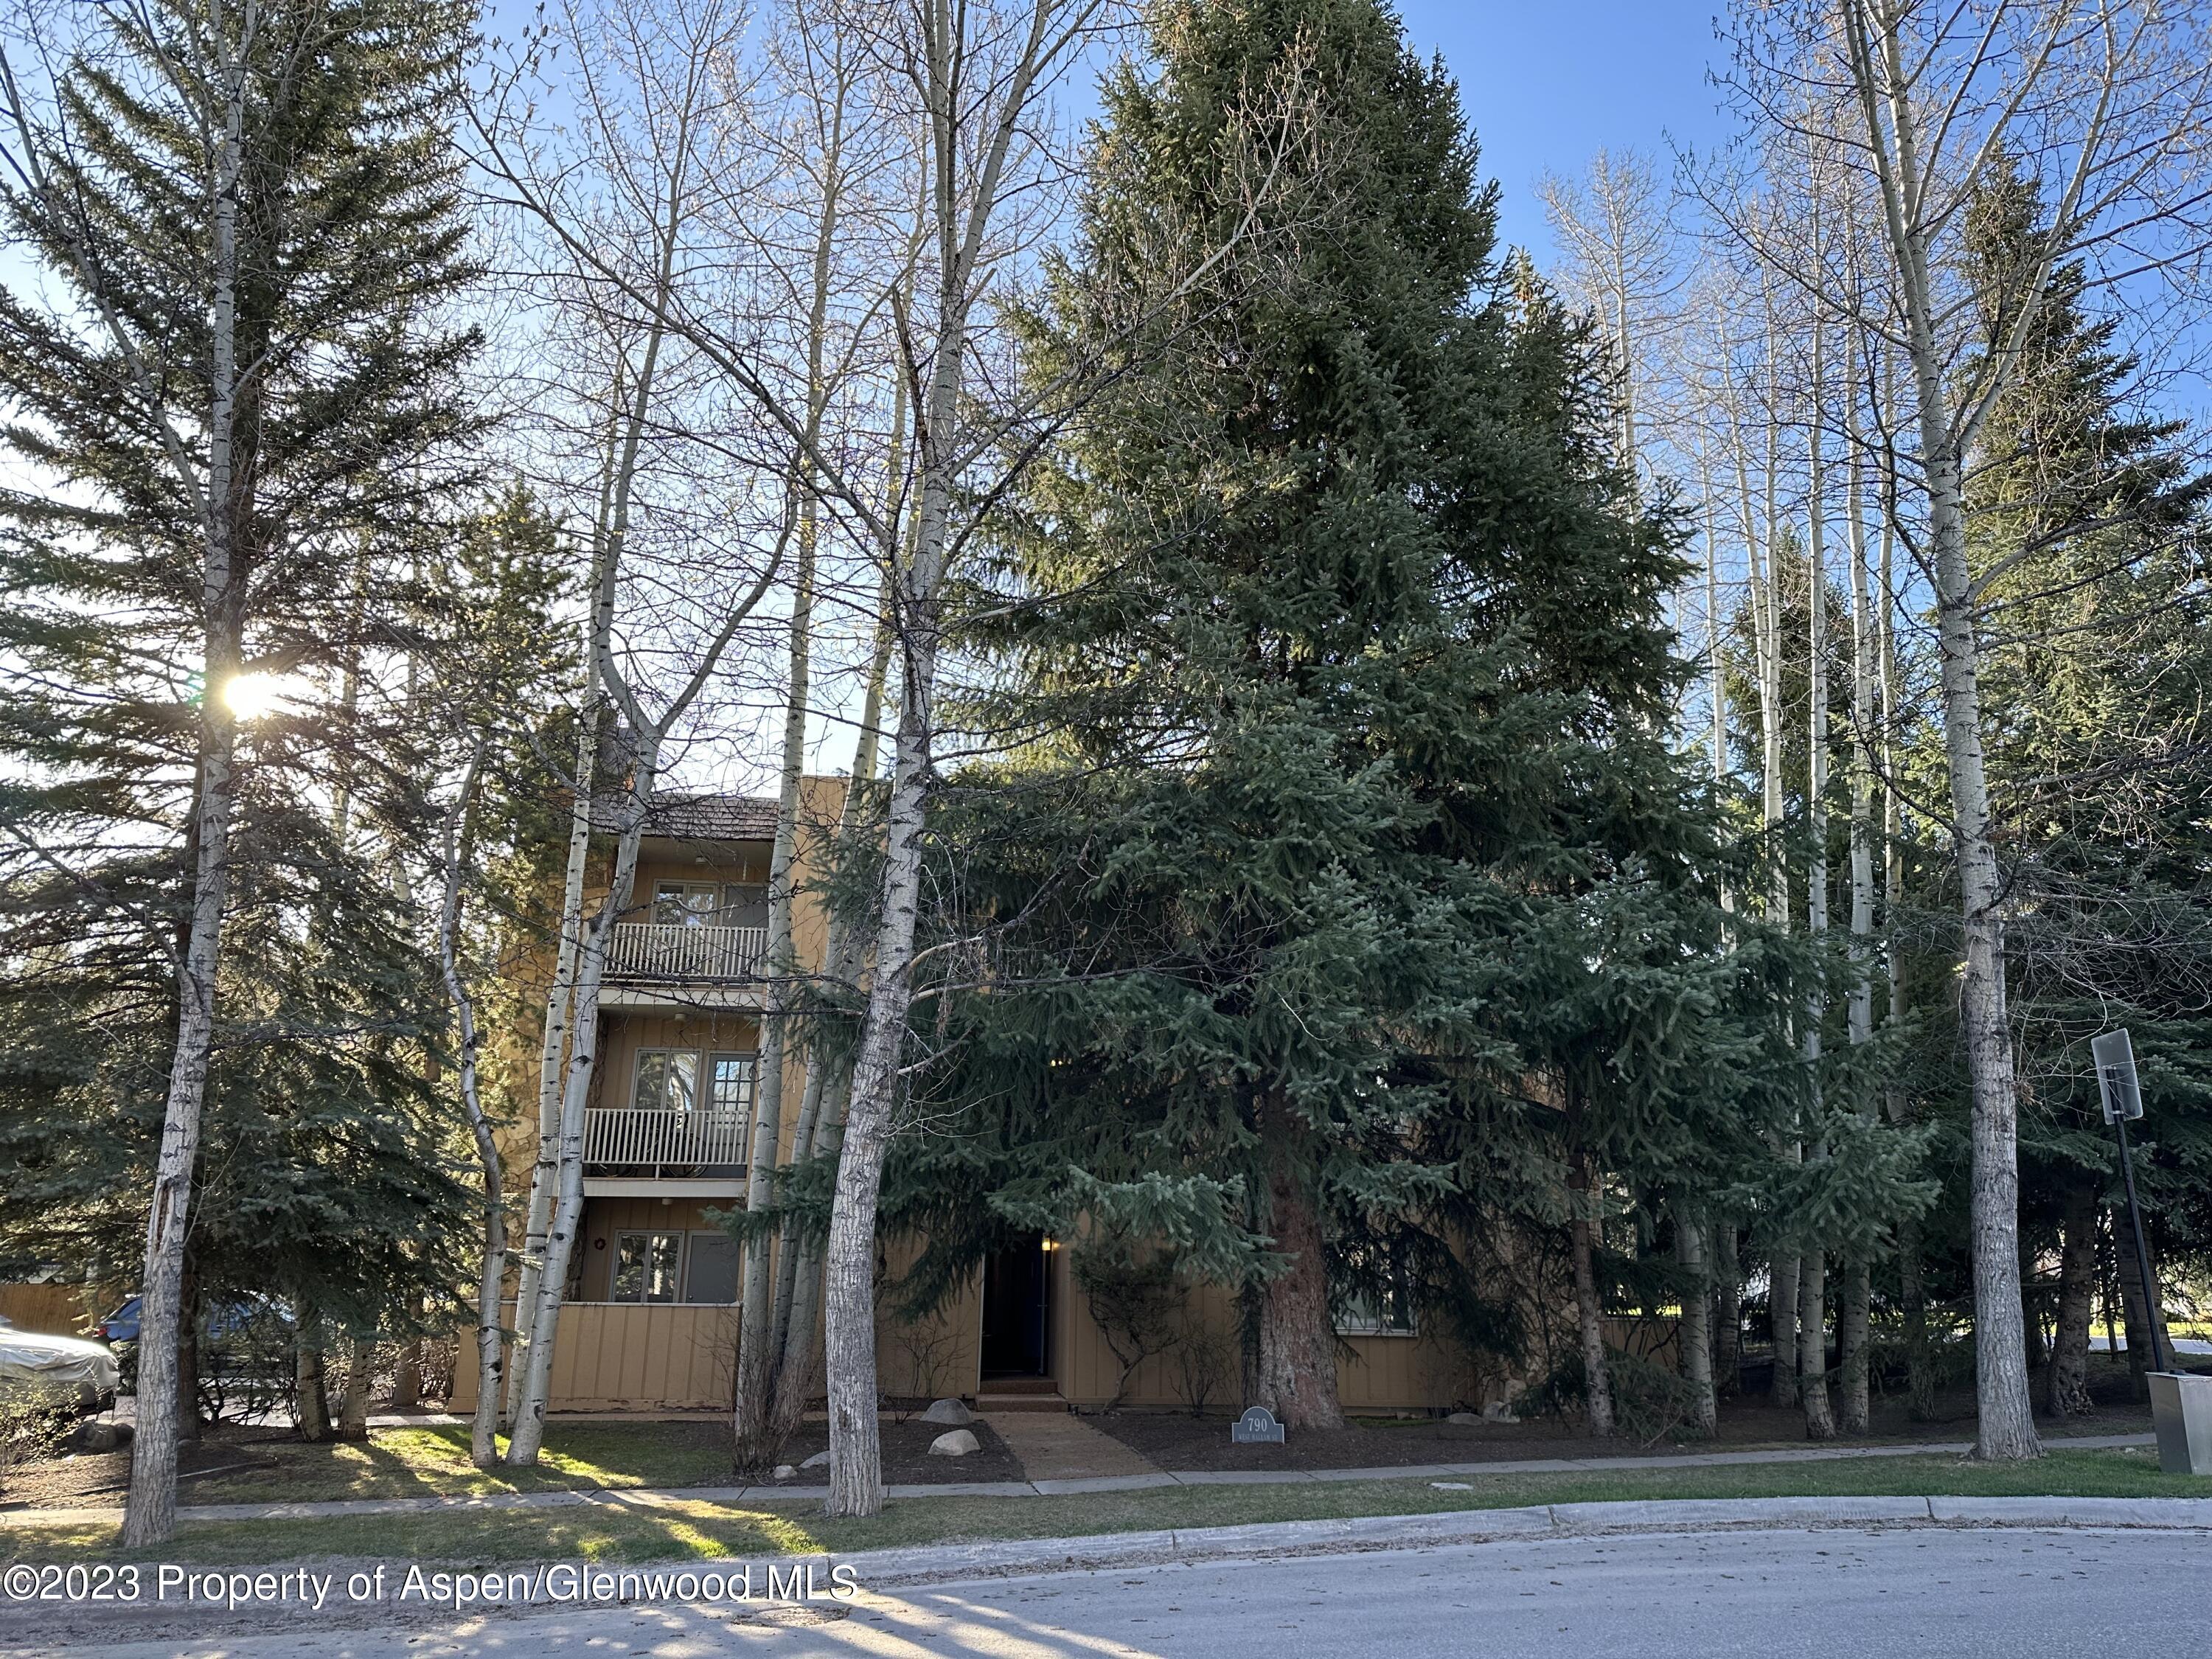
x=907 y=1460
x=1178 y=1441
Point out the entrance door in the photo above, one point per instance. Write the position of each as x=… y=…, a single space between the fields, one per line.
x=1017 y=1293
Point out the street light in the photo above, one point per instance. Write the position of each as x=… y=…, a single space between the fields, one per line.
x=2114 y=1056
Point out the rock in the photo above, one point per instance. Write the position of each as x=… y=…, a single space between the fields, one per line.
x=958 y=1443
x=1499 y=1410
x=819 y=1461
x=1463 y=1418
x=949 y=1412
x=93 y=1436
x=784 y=1470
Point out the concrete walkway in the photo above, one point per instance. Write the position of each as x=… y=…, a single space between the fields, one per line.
x=642 y=1497
x=1059 y=1446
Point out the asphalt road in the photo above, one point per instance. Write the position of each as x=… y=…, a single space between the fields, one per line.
x=1836 y=1594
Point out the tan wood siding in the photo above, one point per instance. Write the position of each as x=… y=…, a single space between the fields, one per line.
x=55 y=1310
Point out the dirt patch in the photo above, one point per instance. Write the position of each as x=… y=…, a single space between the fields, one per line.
x=907 y=1460
x=99 y=1479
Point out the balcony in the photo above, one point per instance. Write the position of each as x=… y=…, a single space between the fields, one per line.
x=659 y=1145
x=689 y=955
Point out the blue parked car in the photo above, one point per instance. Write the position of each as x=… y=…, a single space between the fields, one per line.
x=122 y=1325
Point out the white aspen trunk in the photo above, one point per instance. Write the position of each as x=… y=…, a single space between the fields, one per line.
x=959 y=230
x=856 y=1480
x=533 y=1369
x=823 y=1107
x=545 y=1172
x=1696 y=1330
x=2005 y=1411
x=756 y=1438
x=1765 y=575
x=528 y=1432
x=150 y=1510
x=1852 y=1322
x=1811 y=1284
x=1589 y=1313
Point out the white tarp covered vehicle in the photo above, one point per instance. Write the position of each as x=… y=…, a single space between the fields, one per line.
x=68 y=1370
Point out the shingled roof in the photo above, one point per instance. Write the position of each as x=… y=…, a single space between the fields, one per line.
x=699 y=818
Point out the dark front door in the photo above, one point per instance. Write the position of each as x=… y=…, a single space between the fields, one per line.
x=1017 y=1288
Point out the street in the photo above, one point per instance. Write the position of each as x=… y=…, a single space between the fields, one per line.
x=1839 y=1593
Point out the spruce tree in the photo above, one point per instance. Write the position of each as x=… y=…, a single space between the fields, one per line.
x=2090 y=520
x=1338 y=651
x=235 y=384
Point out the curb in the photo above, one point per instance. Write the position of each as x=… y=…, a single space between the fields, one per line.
x=1021 y=1558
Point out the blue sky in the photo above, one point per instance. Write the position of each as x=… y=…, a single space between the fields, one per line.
x=1545 y=85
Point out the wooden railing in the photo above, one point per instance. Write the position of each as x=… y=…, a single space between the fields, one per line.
x=645 y=950
x=643 y=1137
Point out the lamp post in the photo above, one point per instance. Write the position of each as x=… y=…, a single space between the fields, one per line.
x=2114 y=1056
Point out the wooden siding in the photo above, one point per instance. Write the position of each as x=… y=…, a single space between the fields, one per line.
x=612 y=1355
x=56 y=1309
x=1374 y=1373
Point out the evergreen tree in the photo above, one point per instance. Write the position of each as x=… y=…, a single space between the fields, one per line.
x=1339 y=652
x=2090 y=532
x=235 y=380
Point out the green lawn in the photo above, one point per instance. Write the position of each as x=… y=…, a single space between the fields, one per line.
x=696 y=1530
x=433 y=1461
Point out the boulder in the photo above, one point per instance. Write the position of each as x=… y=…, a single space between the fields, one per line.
x=1464 y=1419
x=949 y=1413
x=784 y=1470
x=819 y=1461
x=958 y=1443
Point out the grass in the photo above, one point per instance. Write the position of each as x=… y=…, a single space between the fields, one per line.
x=433 y=1461
x=694 y=1531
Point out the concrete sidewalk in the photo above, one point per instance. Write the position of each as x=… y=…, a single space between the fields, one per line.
x=660 y=1497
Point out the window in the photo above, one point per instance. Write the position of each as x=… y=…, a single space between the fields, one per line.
x=667 y=1080
x=685 y=903
x=645 y=1266
x=1373 y=1310
x=744 y=904
x=710 y=1269
x=730 y=1084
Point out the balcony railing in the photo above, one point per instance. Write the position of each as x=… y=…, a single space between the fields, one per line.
x=645 y=950
x=645 y=1139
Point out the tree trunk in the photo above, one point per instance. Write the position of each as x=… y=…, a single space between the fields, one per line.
x=1813 y=1347
x=1727 y=1323
x=1919 y=1354
x=1695 y=1338
x=2066 y=1382
x=1589 y=1315
x=856 y=1476
x=353 y=1404
x=756 y=1440
x=188 y=1362
x=226 y=495
x=491 y=1276
x=2133 y=1314
x=545 y=1172
x=1853 y=1405
x=2005 y=1415
x=528 y=1431
x=1297 y=1340
x=1782 y=1308
x=313 y=1412
x=407 y=1377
